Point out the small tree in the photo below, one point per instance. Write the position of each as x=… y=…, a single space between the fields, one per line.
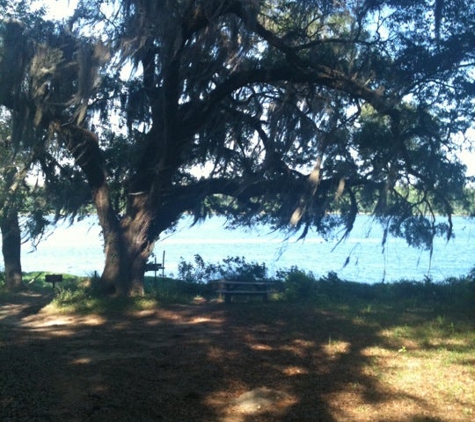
x=61 y=192
x=13 y=169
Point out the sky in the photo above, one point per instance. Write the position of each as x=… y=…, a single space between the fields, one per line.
x=58 y=9
x=469 y=157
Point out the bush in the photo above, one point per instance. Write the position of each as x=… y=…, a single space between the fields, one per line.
x=235 y=268
x=456 y=292
x=179 y=291
x=298 y=285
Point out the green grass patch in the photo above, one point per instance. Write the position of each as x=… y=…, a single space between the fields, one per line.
x=85 y=301
x=446 y=304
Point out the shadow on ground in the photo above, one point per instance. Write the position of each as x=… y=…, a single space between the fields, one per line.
x=211 y=362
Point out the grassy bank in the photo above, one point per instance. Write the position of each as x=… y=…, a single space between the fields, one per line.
x=194 y=284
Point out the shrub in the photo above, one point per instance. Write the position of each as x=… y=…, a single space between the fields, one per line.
x=179 y=291
x=236 y=268
x=298 y=285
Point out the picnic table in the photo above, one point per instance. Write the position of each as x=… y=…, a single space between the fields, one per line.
x=230 y=288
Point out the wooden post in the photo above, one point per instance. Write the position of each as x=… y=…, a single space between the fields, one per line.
x=154 y=266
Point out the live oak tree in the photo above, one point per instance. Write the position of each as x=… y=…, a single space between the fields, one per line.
x=17 y=154
x=287 y=112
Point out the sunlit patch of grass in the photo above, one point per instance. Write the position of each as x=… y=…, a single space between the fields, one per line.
x=83 y=300
x=335 y=348
x=75 y=301
x=427 y=358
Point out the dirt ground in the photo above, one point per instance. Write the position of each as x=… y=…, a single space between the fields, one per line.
x=203 y=362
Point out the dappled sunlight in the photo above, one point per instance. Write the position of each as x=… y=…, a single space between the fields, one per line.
x=455 y=344
x=261 y=347
x=21 y=306
x=376 y=351
x=239 y=363
x=353 y=405
x=421 y=382
x=201 y=320
x=294 y=370
x=299 y=347
x=178 y=317
x=257 y=402
x=61 y=321
x=336 y=348
x=82 y=361
x=10 y=310
x=218 y=354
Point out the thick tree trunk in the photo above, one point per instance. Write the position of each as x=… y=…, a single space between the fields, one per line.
x=11 y=249
x=127 y=249
x=124 y=268
x=123 y=274
x=128 y=240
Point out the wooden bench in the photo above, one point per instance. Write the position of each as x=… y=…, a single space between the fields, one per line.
x=230 y=288
x=53 y=279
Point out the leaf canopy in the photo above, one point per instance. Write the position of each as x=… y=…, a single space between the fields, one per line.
x=298 y=113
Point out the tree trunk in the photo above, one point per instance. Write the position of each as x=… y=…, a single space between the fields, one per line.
x=127 y=249
x=124 y=268
x=11 y=249
x=127 y=240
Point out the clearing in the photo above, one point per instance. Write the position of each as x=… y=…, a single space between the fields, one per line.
x=239 y=363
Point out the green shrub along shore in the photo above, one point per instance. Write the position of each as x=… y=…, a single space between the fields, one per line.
x=194 y=284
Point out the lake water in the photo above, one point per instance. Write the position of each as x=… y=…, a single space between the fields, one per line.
x=77 y=249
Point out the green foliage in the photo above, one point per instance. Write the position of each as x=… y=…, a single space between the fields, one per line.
x=298 y=285
x=233 y=268
x=82 y=295
x=168 y=290
x=84 y=301
x=452 y=296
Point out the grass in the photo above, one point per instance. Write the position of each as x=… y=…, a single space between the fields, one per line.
x=421 y=356
x=444 y=301
x=429 y=359
x=77 y=295
x=409 y=347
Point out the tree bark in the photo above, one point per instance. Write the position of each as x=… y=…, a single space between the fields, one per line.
x=127 y=249
x=126 y=244
x=11 y=249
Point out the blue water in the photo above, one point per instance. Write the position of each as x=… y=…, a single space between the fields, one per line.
x=77 y=249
